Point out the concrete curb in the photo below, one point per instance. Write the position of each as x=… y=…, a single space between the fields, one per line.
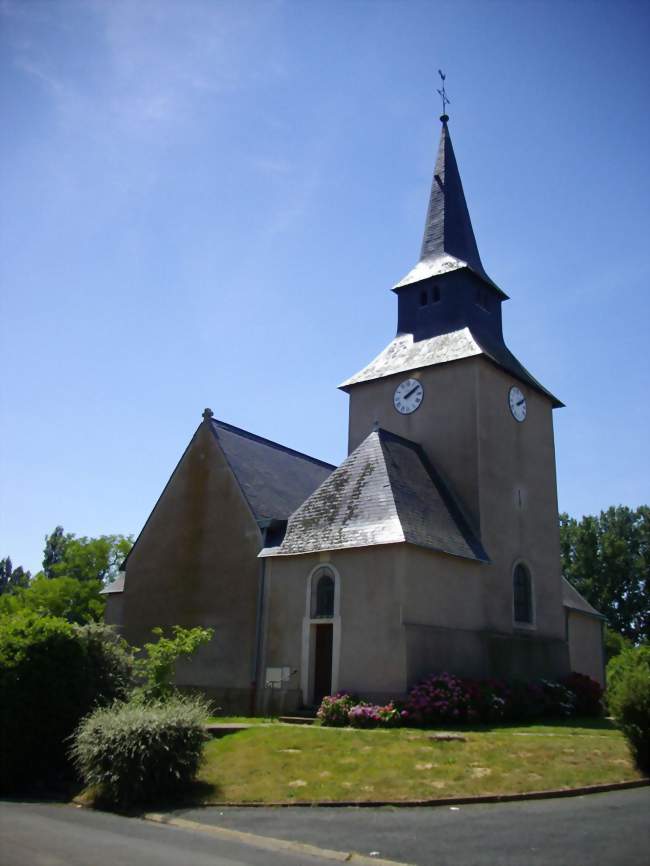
x=444 y=801
x=269 y=843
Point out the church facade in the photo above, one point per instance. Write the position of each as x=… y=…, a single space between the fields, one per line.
x=433 y=546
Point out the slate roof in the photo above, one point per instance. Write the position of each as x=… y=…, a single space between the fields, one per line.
x=274 y=479
x=448 y=242
x=385 y=492
x=572 y=599
x=404 y=353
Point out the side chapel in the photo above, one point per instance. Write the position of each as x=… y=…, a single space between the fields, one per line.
x=434 y=546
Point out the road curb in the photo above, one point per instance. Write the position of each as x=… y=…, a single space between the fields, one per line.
x=444 y=801
x=269 y=843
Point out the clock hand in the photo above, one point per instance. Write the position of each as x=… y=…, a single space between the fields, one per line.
x=412 y=391
x=523 y=400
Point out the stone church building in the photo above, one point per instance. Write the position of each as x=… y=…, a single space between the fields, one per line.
x=434 y=546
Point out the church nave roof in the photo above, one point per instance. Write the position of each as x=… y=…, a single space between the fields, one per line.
x=274 y=479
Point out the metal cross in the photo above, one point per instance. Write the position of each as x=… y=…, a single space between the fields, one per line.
x=443 y=92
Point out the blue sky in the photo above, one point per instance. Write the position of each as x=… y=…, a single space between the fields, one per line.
x=206 y=204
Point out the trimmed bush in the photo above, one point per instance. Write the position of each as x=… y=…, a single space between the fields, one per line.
x=134 y=752
x=52 y=673
x=628 y=699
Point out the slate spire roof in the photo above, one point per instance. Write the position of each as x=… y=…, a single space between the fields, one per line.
x=448 y=242
x=384 y=492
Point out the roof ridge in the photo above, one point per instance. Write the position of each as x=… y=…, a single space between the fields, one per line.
x=263 y=440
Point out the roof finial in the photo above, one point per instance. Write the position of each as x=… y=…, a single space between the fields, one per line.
x=207 y=414
x=443 y=95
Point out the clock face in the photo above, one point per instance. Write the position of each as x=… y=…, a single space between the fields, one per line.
x=517 y=403
x=408 y=396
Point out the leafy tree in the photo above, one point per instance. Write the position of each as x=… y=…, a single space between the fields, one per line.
x=607 y=559
x=75 y=571
x=156 y=667
x=615 y=643
x=77 y=601
x=84 y=558
x=55 y=545
x=12 y=578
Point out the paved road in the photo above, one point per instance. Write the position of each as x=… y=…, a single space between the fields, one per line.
x=598 y=830
x=51 y=835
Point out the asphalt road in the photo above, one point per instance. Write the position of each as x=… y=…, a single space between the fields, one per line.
x=39 y=834
x=598 y=830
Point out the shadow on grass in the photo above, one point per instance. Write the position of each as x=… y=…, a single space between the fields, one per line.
x=585 y=723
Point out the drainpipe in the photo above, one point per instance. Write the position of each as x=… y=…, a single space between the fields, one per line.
x=264 y=528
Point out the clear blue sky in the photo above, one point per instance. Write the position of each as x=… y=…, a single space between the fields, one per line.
x=206 y=204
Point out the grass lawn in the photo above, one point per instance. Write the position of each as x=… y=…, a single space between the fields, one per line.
x=300 y=763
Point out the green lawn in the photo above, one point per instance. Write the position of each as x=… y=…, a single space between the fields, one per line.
x=300 y=763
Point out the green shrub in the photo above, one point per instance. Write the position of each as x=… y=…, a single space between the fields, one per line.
x=51 y=674
x=157 y=664
x=134 y=752
x=628 y=699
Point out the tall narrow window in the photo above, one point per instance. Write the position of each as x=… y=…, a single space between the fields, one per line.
x=435 y=294
x=322 y=598
x=523 y=595
x=423 y=299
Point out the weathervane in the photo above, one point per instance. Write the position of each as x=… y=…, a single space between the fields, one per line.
x=443 y=94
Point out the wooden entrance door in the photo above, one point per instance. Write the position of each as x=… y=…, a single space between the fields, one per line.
x=323 y=662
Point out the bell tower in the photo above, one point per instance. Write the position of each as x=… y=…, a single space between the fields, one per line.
x=449 y=383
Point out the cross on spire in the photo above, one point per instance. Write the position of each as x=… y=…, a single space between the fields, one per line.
x=443 y=96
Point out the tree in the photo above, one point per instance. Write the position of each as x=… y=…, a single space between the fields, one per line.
x=607 y=559
x=12 y=578
x=84 y=558
x=157 y=663
x=75 y=570
x=55 y=545
x=77 y=601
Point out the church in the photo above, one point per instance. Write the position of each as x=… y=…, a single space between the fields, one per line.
x=434 y=546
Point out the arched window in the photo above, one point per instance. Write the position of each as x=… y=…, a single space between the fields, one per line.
x=522 y=595
x=322 y=596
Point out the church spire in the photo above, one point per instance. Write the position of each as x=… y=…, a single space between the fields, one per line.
x=448 y=242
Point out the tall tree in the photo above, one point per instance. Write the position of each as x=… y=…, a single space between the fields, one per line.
x=55 y=547
x=12 y=578
x=84 y=558
x=607 y=559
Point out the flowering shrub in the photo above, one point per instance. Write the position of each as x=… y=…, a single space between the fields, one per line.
x=334 y=709
x=558 y=700
x=445 y=698
x=588 y=694
x=439 y=698
x=364 y=715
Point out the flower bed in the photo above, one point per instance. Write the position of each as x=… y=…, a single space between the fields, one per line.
x=445 y=698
